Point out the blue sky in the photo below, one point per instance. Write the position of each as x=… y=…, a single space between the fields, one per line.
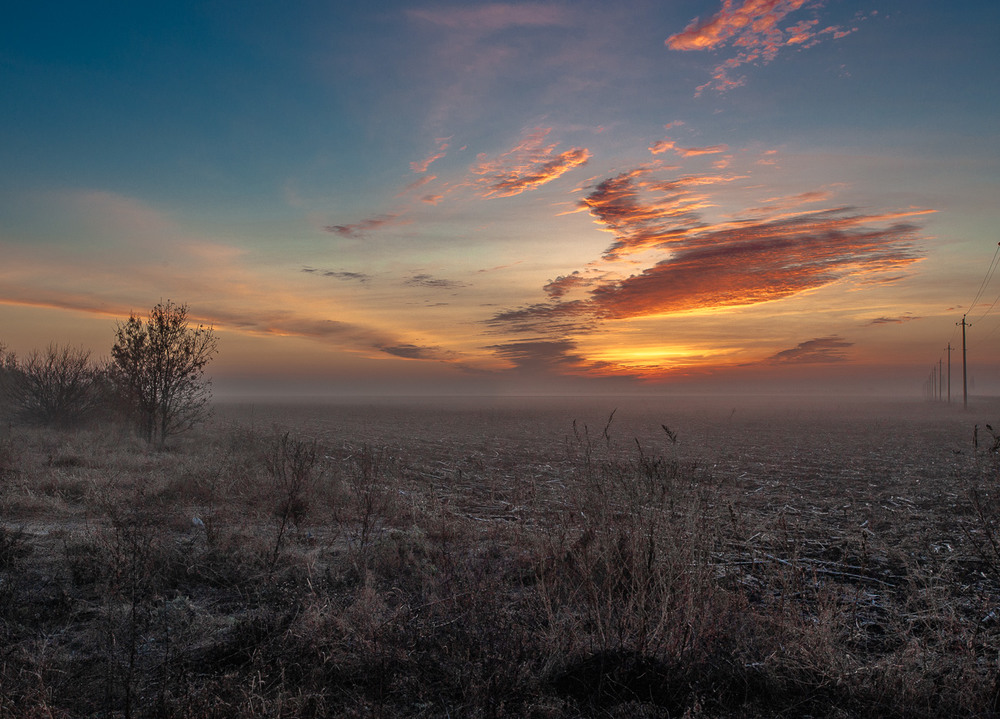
x=506 y=196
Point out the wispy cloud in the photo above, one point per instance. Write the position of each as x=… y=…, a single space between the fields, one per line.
x=667 y=145
x=530 y=164
x=695 y=151
x=662 y=146
x=783 y=204
x=411 y=351
x=822 y=350
x=422 y=165
x=624 y=206
x=560 y=318
x=753 y=23
x=417 y=184
x=755 y=28
x=425 y=280
x=362 y=228
x=339 y=274
x=346 y=335
x=892 y=320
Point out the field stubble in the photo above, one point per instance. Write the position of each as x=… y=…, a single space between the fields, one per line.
x=611 y=557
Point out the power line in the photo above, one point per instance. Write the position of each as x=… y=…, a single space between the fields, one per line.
x=987 y=278
x=935 y=383
x=991 y=270
x=980 y=318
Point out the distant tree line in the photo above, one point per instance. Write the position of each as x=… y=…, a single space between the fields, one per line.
x=155 y=378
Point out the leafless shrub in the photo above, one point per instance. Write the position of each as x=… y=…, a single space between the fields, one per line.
x=368 y=480
x=294 y=470
x=56 y=388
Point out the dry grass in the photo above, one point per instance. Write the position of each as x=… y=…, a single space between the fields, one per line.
x=398 y=561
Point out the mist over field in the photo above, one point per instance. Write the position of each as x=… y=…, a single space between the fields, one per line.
x=714 y=556
x=781 y=433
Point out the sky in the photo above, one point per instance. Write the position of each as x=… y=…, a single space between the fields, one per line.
x=520 y=197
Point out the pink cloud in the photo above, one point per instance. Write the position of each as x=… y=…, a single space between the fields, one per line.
x=422 y=165
x=754 y=29
x=801 y=32
x=695 y=151
x=662 y=146
x=752 y=24
x=666 y=145
x=528 y=165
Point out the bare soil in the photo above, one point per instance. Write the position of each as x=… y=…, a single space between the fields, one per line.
x=508 y=557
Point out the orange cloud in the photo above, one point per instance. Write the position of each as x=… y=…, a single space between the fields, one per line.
x=756 y=263
x=709 y=266
x=426 y=162
x=665 y=145
x=753 y=23
x=528 y=165
x=802 y=33
x=695 y=151
x=754 y=28
x=662 y=146
x=422 y=165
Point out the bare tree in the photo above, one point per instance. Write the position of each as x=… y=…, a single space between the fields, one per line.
x=159 y=363
x=57 y=387
x=8 y=367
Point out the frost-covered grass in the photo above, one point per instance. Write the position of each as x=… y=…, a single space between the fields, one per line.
x=528 y=560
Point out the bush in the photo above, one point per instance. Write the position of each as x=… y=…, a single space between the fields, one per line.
x=59 y=387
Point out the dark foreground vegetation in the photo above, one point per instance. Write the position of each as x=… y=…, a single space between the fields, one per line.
x=469 y=564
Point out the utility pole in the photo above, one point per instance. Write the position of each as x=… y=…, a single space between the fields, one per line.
x=950 y=350
x=965 y=376
x=940 y=387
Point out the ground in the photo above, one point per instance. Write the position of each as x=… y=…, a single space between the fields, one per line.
x=653 y=556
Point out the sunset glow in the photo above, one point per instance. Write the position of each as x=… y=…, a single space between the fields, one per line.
x=506 y=197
